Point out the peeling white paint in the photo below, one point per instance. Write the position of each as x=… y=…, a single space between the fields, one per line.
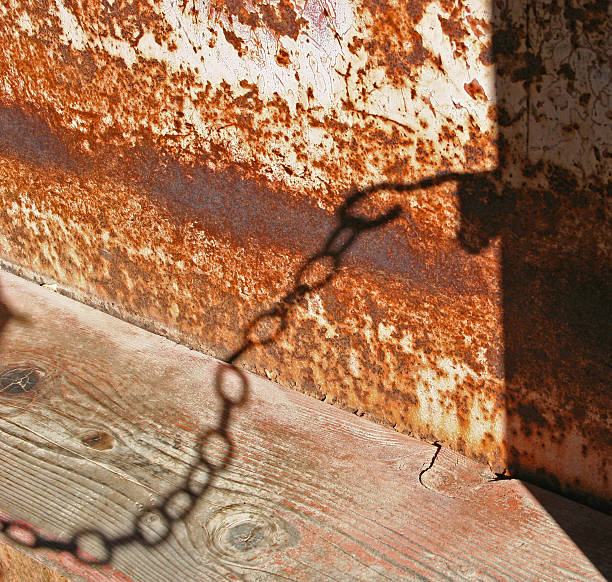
x=385 y=331
x=25 y=23
x=73 y=34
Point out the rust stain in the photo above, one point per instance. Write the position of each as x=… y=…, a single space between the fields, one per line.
x=475 y=90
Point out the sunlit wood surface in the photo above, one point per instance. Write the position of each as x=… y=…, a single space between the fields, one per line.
x=313 y=493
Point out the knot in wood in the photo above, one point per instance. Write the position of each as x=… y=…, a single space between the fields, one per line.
x=19 y=379
x=245 y=533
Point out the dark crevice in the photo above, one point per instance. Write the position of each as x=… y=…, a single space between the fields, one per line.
x=431 y=463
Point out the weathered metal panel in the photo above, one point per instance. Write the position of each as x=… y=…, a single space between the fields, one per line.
x=178 y=161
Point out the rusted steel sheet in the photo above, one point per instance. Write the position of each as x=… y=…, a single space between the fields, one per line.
x=177 y=161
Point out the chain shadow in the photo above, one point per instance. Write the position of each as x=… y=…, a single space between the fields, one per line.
x=43 y=147
x=556 y=287
x=92 y=546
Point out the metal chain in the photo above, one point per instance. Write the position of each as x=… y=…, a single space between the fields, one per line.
x=264 y=329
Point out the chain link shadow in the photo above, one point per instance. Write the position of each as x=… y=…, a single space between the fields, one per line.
x=93 y=547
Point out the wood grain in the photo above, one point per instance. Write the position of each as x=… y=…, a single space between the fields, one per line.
x=314 y=493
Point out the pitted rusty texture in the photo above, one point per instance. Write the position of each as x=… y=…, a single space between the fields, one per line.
x=178 y=160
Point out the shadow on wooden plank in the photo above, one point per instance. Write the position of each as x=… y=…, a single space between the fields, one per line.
x=313 y=492
x=587 y=529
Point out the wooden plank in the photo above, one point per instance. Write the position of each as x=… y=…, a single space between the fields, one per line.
x=108 y=427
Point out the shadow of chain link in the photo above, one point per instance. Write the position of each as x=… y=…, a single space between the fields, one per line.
x=315 y=273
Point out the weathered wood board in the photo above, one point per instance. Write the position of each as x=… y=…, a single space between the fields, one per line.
x=314 y=493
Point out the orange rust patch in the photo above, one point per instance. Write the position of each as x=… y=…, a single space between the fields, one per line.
x=474 y=90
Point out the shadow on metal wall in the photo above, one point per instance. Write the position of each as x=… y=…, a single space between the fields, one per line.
x=553 y=219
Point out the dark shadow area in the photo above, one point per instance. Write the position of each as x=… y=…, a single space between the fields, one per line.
x=579 y=527
x=28 y=137
x=228 y=203
x=549 y=202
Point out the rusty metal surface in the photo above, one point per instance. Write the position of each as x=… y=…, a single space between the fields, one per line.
x=177 y=161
